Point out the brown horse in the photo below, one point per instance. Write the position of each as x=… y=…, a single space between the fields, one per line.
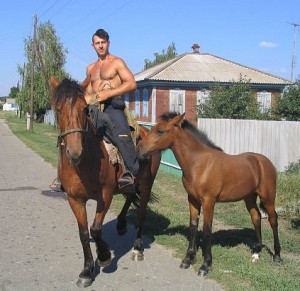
x=210 y=176
x=86 y=173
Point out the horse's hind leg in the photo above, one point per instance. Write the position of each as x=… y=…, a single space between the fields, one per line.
x=79 y=209
x=254 y=212
x=192 y=248
x=269 y=206
x=103 y=251
x=122 y=222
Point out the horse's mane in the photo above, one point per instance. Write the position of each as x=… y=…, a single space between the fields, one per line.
x=67 y=89
x=197 y=133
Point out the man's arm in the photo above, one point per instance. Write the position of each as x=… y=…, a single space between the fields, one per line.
x=127 y=82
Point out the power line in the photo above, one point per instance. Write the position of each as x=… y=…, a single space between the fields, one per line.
x=295 y=25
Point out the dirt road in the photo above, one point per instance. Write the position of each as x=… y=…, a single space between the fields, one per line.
x=40 y=247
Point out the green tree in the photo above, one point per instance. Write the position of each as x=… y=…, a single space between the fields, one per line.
x=13 y=92
x=50 y=60
x=161 y=57
x=288 y=106
x=236 y=101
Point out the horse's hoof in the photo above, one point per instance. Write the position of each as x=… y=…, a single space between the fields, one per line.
x=184 y=265
x=202 y=273
x=277 y=259
x=122 y=231
x=137 y=256
x=104 y=264
x=84 y=282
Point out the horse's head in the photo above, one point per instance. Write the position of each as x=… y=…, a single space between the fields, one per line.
x=71 y=114
x=161 y=136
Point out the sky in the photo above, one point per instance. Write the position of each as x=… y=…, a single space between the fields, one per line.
x=255 y=33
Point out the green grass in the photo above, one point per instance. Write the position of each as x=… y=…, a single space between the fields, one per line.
x=167 y=224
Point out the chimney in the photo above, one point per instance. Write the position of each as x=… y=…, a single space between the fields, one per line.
x=195 y=48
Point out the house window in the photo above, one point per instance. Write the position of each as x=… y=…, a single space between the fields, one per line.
x=126 y=99
x=137 y=103
x=177 y=101
x=202 y=96
x=264 y=101
x=145 y=102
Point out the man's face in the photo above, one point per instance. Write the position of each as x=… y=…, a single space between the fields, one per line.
x=101 y=45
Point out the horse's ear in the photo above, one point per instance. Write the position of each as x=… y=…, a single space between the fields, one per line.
x=177 y=120
x=86 y=82
x=53 y=81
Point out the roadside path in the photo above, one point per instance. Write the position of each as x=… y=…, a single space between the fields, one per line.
x=39 y=242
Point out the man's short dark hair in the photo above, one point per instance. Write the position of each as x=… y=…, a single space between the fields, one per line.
x=101 y=33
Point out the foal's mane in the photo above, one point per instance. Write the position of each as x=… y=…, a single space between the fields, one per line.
x=67 y=89
x=197 y=133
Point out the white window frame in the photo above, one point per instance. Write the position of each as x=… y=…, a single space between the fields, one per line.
x=177 y=101
x=264 y=101
x=137 y=103
x=145 y=103
x=126 y=99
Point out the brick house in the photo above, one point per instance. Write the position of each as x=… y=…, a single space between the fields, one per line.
x=181 y=83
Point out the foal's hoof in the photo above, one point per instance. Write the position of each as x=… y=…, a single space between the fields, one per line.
x=104 y=264
x=84 y=282
x=137 y=256
x=202 y=273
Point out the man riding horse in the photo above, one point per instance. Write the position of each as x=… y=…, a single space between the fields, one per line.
x=110 y=78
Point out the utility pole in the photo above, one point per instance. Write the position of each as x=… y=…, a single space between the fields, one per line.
x=295 y=25
x=30 y=117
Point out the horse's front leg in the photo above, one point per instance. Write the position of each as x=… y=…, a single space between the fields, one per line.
x=208 y=212
x=194 y=220
x=79 y=209
x=103 y=251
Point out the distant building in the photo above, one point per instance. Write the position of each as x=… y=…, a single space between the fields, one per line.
x=181 y=83
x=10 y=105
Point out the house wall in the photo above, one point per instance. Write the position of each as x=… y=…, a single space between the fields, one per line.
x=163 y=101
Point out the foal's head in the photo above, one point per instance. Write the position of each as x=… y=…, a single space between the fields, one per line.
x=163 y=134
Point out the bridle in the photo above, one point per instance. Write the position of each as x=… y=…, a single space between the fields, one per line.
x=69 y=131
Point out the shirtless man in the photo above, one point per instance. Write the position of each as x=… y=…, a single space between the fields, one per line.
x=111 y=78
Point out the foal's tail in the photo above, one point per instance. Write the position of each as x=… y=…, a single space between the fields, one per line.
x=262 y=208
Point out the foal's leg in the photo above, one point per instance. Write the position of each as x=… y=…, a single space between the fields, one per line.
x=208 y=212
x=194 y=220
x=103 y=252
x=79 y=210
x=252 y=208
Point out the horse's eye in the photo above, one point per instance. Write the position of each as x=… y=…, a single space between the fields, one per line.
x=160 y=132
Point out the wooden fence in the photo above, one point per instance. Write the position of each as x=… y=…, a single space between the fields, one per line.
x=278 y=140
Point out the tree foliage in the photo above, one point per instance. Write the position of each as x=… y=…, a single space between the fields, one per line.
x=288 y=106
x=50 y=59
x=161 y=57
x=13 y=92
x=234 y=101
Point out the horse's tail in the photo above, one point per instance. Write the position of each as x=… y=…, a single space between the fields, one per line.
x=262 y=208
x=136 y=199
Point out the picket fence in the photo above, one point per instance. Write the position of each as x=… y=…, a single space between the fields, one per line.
x=278 y=140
